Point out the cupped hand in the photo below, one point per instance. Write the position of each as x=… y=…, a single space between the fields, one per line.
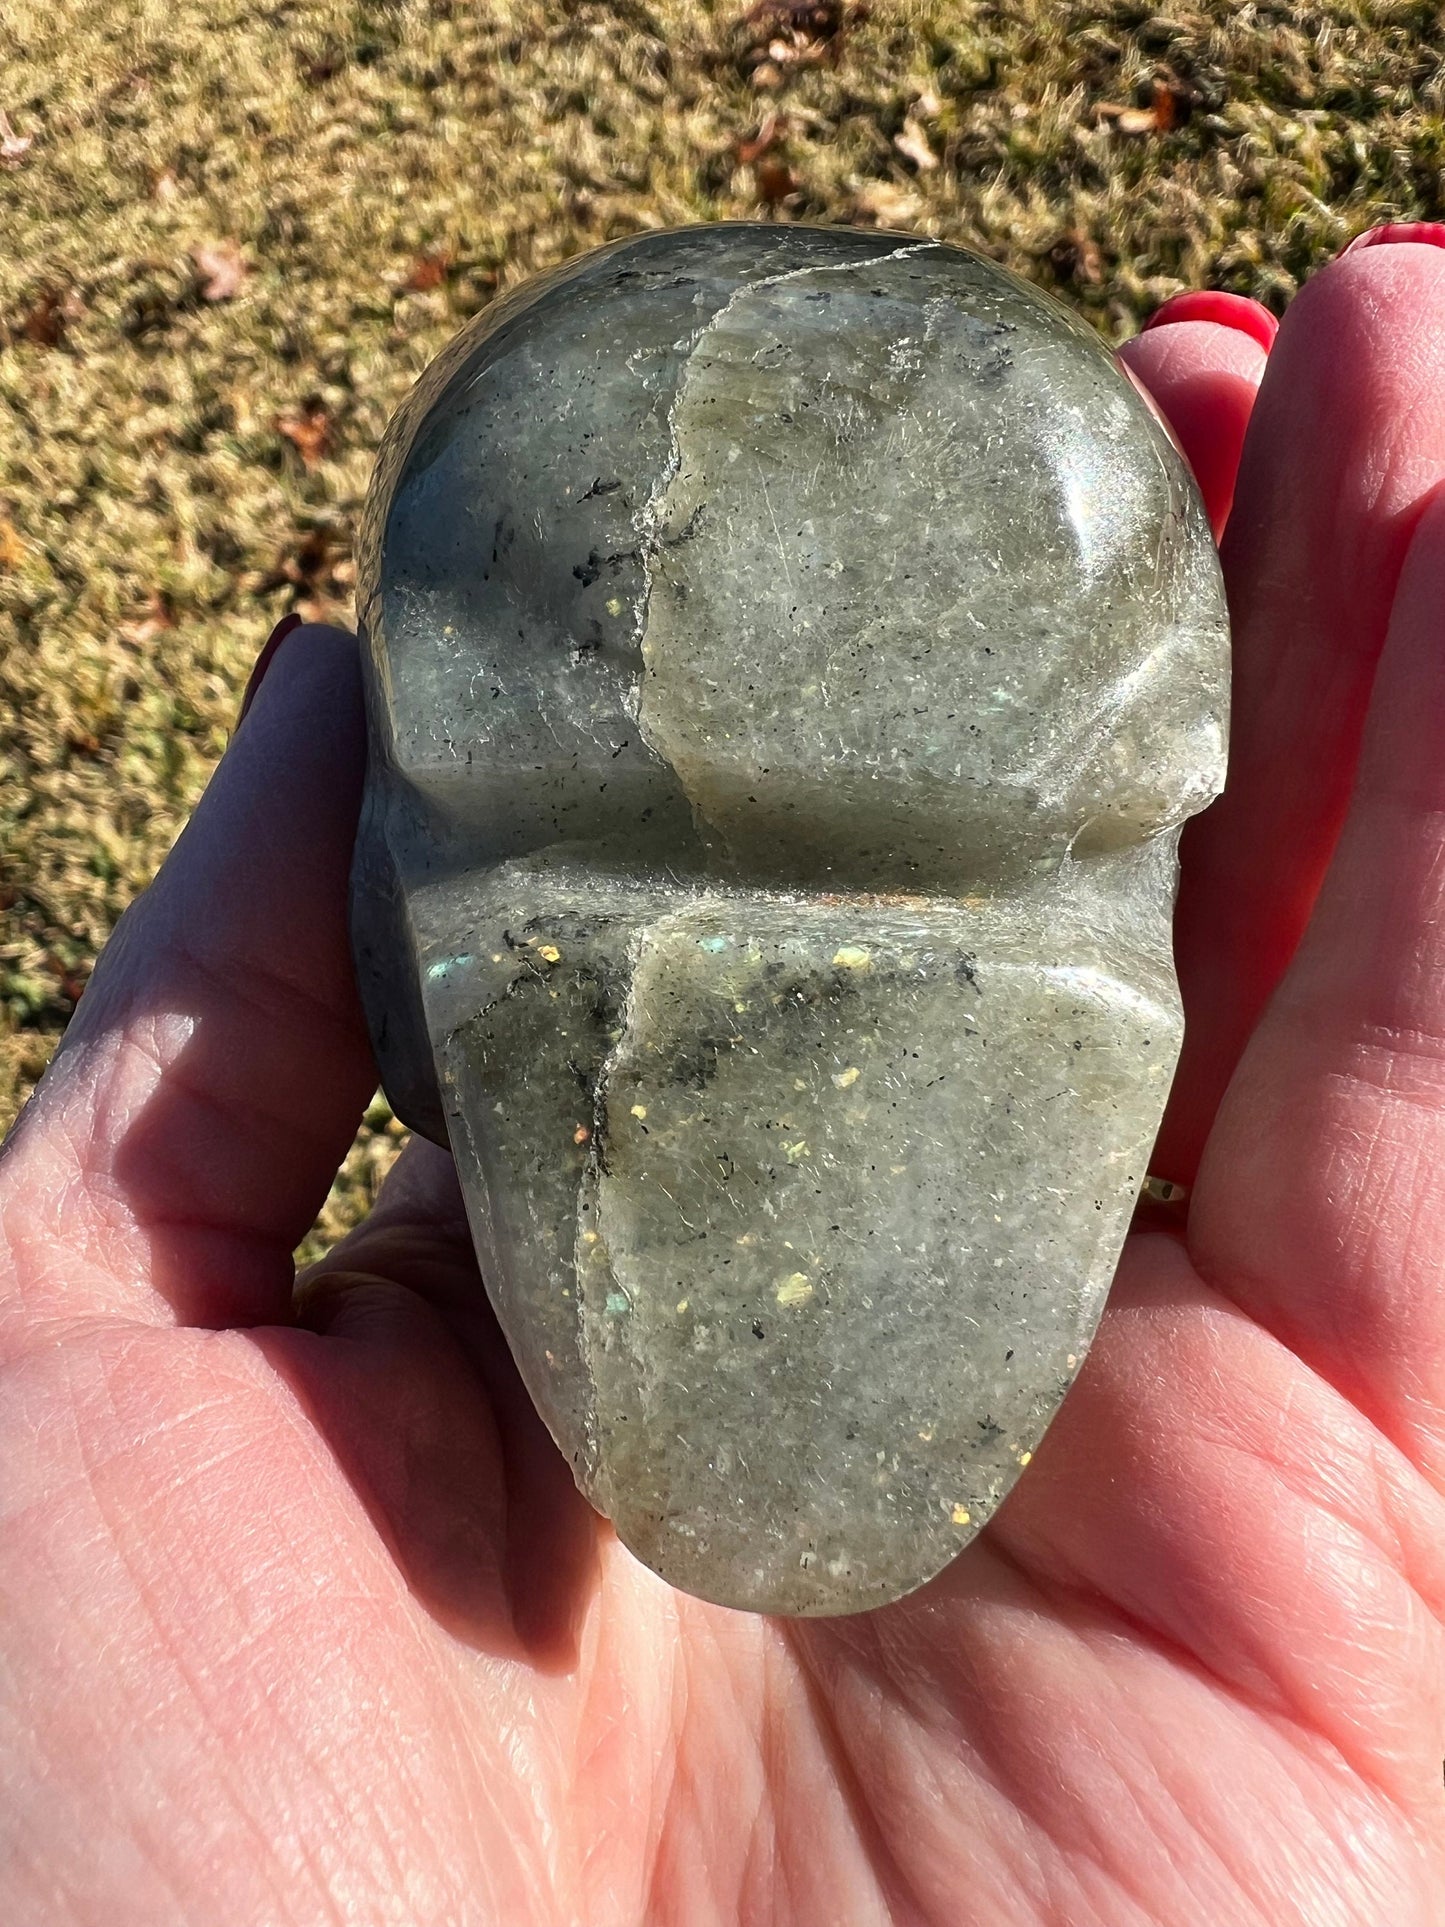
x=303 y=1620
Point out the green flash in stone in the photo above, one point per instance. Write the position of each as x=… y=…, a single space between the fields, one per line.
x=792 y=655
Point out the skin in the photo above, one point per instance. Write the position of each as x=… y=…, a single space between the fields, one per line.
x=303 y=1621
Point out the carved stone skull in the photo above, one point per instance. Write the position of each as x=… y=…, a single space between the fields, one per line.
x=792 y=655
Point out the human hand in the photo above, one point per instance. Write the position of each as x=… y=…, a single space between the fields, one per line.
x=305 y=1621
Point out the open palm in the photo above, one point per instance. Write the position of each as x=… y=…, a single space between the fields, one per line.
x=303 y=1620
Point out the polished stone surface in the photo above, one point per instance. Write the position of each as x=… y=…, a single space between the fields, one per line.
x=792 y=656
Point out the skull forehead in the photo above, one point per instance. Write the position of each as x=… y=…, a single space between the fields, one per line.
x=811 y=532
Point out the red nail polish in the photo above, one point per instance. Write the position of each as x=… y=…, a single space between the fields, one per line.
x=264 y=661
x=1226 y=310
x=1430 y=234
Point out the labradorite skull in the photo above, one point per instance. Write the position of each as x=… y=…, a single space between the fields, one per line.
x=792 y=655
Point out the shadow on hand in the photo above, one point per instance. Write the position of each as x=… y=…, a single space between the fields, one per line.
x=397 y=1358
x=403 y=1368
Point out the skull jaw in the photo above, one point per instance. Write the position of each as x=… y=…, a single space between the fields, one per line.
x=799 y=1215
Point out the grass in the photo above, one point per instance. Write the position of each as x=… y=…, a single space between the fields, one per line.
x=239 y=231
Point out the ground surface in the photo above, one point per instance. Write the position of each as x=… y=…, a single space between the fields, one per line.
x=234 y=234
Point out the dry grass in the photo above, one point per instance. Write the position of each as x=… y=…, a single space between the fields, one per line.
x=239 y=231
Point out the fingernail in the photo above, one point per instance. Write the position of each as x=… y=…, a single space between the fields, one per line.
x=1430 y=234
x=264 y=661
x=1251 y=318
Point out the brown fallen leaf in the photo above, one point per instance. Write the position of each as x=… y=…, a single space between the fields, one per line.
x=13 y=147
x=912 y=144
x=307 y=428
x=221 y=270
x=775 y=181
x=1170 y=105
x=429 y=270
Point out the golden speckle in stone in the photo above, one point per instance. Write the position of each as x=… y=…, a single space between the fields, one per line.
x=1024 y=1457
x=639 y=1110
x=581 y=1134
x=797 y=1151
x=614 y=605
x=926 y=1434
x=796 y=1289
x=852 y=956
x=1071 y=1361
x=682 y=1304
x=960 y=1515
x=590 y=1237
x=549 y=953
x=844 y=1078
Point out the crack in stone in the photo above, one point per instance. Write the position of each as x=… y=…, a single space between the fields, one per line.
x=648 y=518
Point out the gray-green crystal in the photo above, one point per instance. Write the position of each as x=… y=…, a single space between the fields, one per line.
x=792 y=654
